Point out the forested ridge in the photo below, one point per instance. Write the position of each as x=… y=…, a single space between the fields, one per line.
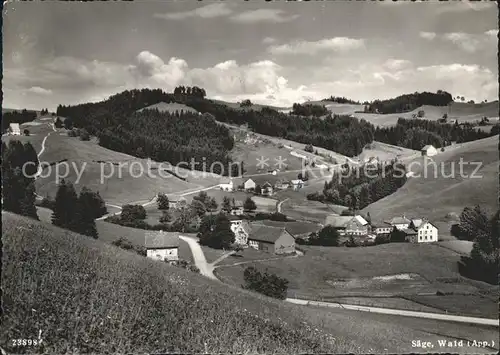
x=416 y=133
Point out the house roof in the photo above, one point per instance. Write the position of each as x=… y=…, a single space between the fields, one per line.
x=238 y=204
x=267 y=184
x=428 y=146
x=417 y=222
x=378 y=225
x=296 y=182
x=337 y=221
x=160 y=240
x=249 y=180
x=398 y=220
x=409 y=231
x=268 y=234
x=361 y=220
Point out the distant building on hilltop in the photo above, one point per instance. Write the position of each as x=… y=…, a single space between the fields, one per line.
x=162 y=245
x=14 y=129
x=429 y=150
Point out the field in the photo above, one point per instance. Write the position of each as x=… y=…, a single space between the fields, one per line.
x=389 y=270
x=94 y=297
x=386 y=152
x=338 y=109
x=434 y=197
x=299 y=208
x=295 y=228
x=255 y=107
x=170 y=107
x=118 y=185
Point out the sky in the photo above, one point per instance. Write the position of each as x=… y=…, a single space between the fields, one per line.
x=273 y=53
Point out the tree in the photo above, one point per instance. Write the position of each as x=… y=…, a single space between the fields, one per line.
x=132 y=213
x=94 y=202
x=163 y=201
x=226 y=204
x=58 y=123
x=84 y=135
x=266 y=283
x=212 y=204
x=249 y=205
x=65 y=206
x=258 y=189
x=68 y=123
x=216 y=233
x=309 y=148
x=421 y=113
x=18 y=189
x=198 y=207
x=369 y=218
x=26 y=132
x=83 y=221
x=327 y=236
x=473 y=222
x=166 y=217
x=246 y=103
x=184 y=220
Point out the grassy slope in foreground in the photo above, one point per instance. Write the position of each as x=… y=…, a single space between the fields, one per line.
x=434 y=198
x=86 y=295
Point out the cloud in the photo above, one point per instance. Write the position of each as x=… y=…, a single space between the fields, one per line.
x=152 y=68
x=39 y=90
x=463 y=6
x=263 y=15
x=427 y=35
x=471 y=42
x=397 y=64
x=269 y=40
x=206 y=12
x=336 y=44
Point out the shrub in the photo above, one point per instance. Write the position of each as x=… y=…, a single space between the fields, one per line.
x=84 y=135
x=309 y=148
x=266 y=283
x=131 y=213
x=163 y=202
x=26 y=132
x=421 y=113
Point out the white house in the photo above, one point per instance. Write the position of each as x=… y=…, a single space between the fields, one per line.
x=429 y=150
x=297 y=184
x=267 y=189
x=381 y=229
x=162 y=245
x=241 y=230
x=399 y=222
x=229 y=186
x=426 y=232
x=14 y=129
x=249 y=185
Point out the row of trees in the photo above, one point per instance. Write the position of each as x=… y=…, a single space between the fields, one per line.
x=342 y=100
x=18 y=187
x=415 y=134
x=356 y=190
x=309 y=110
x=475 y=225
x=16 y=117
x=409 y=102
x=77 y=212
x=343 y=134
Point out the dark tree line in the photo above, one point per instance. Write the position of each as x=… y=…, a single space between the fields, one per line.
x=161 y=136
x=410 y=102
x=18 y=187
x=356 y=190
x=309 y=110
x=415 y=134
x=343 y=134
x=16 y=117
x=77 y=212
x=341 y=100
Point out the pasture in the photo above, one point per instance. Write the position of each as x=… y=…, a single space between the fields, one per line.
x=172 y=107
x=441 y=189
x=389 y=270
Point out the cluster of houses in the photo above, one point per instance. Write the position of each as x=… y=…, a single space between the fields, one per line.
x=163 y=246
x=416 y=230
x=266 y=188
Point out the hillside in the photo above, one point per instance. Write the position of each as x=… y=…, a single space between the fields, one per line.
x=169 y=107
x=434 y=197
x=253 y=106
x=462 y=112
x=95 y=298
